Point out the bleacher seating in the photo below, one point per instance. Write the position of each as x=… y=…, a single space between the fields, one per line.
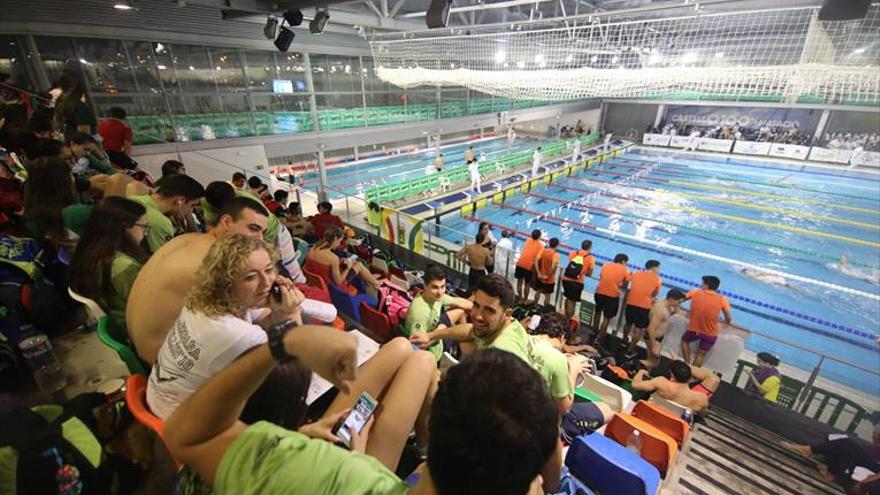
x=665 y=421
x=657 y=447
x=617 y=398
x=609 y=468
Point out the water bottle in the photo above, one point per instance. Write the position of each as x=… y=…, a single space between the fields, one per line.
x=37 y=351
x=634 y=442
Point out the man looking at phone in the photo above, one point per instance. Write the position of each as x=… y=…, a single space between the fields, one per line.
x=157 y=296
x=434 y=309
x=488 y=388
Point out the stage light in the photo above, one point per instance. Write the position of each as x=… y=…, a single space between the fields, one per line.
x=438 y=13
x=123 y=5
x=293 y=17
x=270 y=30
x=316 y=26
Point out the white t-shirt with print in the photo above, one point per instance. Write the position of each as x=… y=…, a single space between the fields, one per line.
x=196 y=348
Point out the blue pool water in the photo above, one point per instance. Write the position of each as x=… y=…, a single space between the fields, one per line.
x=708 y=215
x=353 y=179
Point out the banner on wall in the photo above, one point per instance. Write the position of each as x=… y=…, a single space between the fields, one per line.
x=656 y=139
x=828 y=155
x=386 y=228
x=403 y=229
x=789 y=151
x=722 y=145
x=752 y=148
x=749 y=118
x=866 y=159
x=680 y=141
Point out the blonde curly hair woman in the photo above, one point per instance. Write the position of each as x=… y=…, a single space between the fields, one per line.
x=238 y=294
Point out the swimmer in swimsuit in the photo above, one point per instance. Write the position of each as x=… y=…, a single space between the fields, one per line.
x=843 y=267
x=689 y=386
x=767 y=278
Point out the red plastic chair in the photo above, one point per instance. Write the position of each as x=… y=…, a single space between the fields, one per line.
x=136 y=400
x=657 y=447
x=376 y=322
x=663 y=420
x=314 y=280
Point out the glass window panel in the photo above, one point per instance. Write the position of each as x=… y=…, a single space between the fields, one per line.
x=57 y=54
x=338 y=101
x=260 y=69
x=291 y=67
x=143 y=63
x=228 y=72
x=383 y=99
x=105 y=65
x=193 y=69
x=11 y=63
x=333 y=73
x=371 y=80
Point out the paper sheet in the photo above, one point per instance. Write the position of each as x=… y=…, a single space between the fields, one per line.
x=366 y=349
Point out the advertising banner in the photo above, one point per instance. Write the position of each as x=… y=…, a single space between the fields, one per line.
x=752 y=148
x=680 y=141
x=866 y=159
x=828 y=155
x=656 y=139
x=748 y=118
x=789 y=151
x=723 y=145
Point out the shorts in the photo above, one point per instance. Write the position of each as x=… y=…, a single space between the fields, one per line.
x=474 y=276
x=444 y=319
x=699 y=388
x=522 y=273
x=606 y=305
x=490 y=268
x=544 y=288
x=581 y=419
x=706 y=341
x=572 y=290
x=639 y=317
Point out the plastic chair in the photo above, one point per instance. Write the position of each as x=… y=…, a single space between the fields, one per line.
x=662 y=419
x=125 y=353
x=675 y=408
x=609 y=468
x=92 y=307
x=380 y=265
x=317 y=282
x=136 y=400
x=657 y=447
x=376 y=322
x=617 y=398
x=348 y=304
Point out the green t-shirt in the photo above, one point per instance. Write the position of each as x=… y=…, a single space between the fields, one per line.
x=76 y=216
x=123 y=272
x=547 y=361
x=267 y=459
x=273 y=225
x=424 y=317
x=161 y=227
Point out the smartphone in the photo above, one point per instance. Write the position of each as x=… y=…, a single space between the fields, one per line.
x=357 y=418
x=275 y=291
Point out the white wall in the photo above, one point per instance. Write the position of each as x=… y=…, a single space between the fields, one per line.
x=589 y=117
x=210 y=165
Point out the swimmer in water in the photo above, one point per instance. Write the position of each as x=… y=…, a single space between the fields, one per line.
x=767 y=278
x=843 y=267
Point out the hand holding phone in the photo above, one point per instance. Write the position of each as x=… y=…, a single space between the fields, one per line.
x=357 y=419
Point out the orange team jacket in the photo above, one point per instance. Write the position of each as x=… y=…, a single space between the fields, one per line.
x=546 y=259
x=611 y=277
x=529 y=253
x=588 y=265
x=642 y=286
x=706 y=305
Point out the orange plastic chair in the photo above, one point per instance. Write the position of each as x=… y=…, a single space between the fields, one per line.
x=376 y=322
x=136 y=399
x=657 y=447
x=663 y=420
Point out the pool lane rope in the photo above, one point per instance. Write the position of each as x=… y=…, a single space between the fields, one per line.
x=746 y=181
x=712 y=233
x=691 y=283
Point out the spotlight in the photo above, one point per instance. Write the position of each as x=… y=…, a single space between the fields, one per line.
x=293 y=17
x=438 y=13
x=271 y=28
x=284 y=39
x=316 y=25
x=123 y=5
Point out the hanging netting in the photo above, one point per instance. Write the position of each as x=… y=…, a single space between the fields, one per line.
x=772 y=55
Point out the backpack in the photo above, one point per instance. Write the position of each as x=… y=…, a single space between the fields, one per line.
x=394 y=301
x=573 y=270
x=53 y=449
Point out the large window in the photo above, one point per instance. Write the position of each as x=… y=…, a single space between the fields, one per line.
x=12 y=57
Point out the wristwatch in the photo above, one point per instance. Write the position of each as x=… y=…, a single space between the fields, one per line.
x=276 y=340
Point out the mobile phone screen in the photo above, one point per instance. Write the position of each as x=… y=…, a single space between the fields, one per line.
x=357 y=418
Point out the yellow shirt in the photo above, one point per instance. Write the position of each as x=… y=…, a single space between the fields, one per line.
x=772 y=385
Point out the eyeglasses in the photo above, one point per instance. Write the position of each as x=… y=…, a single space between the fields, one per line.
x=144 y=226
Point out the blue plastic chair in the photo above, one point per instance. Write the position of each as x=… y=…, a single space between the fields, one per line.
x=609 y=468
x=350 y=305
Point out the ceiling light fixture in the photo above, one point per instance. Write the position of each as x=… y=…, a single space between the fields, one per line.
x=123 y=5
x=316 y=26
x=270 y=30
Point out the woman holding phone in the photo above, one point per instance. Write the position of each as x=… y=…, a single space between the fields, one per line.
x=237 y=297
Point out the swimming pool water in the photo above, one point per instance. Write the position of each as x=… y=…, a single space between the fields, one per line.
x=709 y=215
x=354 y=179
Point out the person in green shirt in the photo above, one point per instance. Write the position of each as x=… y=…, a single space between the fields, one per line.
x=88 y=157
x=177 y=196
x=434 y=309
x=109 y=256
x=492 y=428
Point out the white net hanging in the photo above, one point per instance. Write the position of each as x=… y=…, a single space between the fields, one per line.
x=773 y=55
